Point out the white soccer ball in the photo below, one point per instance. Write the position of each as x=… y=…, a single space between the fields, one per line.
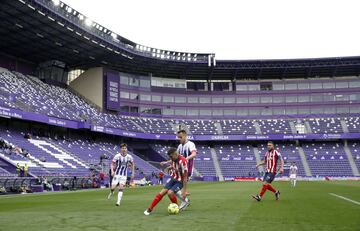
x=173 y=209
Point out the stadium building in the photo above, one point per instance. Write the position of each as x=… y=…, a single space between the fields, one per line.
x=72 y=90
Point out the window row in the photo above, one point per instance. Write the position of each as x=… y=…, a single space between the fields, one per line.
x=242 y=112
x=323 y=97
x=299 y=86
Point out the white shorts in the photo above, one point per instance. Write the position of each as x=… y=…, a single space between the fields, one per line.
x=292 y=176
x=121 y=180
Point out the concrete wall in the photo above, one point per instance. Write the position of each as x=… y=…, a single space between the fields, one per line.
x=90 y=86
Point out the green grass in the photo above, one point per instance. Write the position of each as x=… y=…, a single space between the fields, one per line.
x=215 y=206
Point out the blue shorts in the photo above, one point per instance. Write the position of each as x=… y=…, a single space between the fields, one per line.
x=269 y=177
x=173 y=185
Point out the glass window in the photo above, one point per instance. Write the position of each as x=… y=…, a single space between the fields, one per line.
x=179 y=112
x=254 y=87
x=217 y=112
x=354 y=83
x=134 y=96
x=241 y=87
x=205 y=100
x=328 y=98
x=355 y=97
x=266 y=99
x=144 y=110
x=192 y=112
x=193 y=99
x=291 y=99
x=180 y=99
x=229 y=100
x=303 y=86
x=278 y=99
x=205 y=112
x=144 y=83
x=124 y=95
x=303 y=111
x=229 y=112
x=124 y=109
x=328 y=85
x=180 y=85
x=242 y=100
x=303 y=98
x=342 y=110
x=134 y=109
x=329 y=110
x=167 y=111
x=278 y=86
x=254 y=111
x=124 y=80
x=168 y=99
x=291 y=86
x=316 y=98
x=316 y=86
x=145 y=97
x=217 y=100
x=278 y=111
x=291 y=111
x=254 y=99
x=342 y=85
x=266 y=111
x=316 y=110
x=342 y=97
x=134 y=81
x=354 y=109
x=156 y=98
x=242 y=112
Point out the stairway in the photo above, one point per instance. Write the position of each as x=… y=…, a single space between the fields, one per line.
x=292 y=127
x=61 y=155
x=257 y=128
x=308 y=127
x=349 y=155
x=31 y=163
x=344 y=126
x=304 y=161
x=138 y=126
x=216 y=164
x=219 y=128
x=258 y=159
x=84 y=164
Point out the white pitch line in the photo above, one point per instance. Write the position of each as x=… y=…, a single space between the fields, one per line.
x=344 y=198
x=45 y=193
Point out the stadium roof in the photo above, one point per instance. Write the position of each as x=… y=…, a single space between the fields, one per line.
x=42 y=30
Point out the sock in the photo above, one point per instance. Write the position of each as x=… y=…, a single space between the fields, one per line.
x=294 y=183
x=271 y=188
x=156 y=200
x=263 y=190
x=120 y=194
x=178 y=194
x=173 y=198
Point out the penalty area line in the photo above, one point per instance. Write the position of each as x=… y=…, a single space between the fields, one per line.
x=345 y=198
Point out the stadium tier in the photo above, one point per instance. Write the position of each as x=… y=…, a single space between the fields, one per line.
x=144 y=96
x=28 y=93
x=53 y=157
x=324 y=159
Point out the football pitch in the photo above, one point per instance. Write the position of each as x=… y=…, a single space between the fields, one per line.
x=215 y=206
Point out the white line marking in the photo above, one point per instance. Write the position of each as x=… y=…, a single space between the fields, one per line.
x=344 y=198
x=46 y=193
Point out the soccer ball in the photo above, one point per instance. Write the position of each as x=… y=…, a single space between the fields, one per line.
x=173 y=209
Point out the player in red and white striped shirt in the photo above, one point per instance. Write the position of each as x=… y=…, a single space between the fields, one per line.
x=178 y=170
x=272 y=156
